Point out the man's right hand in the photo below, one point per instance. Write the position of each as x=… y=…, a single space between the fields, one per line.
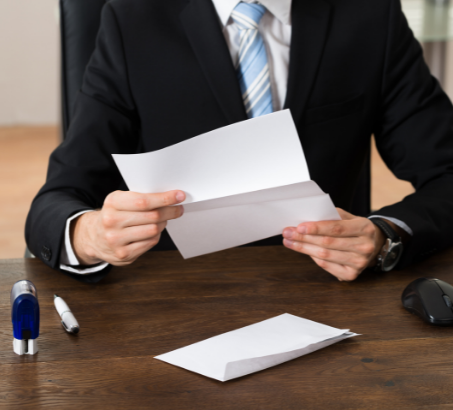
x=128 y=225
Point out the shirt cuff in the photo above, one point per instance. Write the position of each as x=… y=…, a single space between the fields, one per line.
x=68 y=260
x=397 y=222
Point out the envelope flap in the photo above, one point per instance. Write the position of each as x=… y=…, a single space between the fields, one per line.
x=298 y=190
x=247 y=366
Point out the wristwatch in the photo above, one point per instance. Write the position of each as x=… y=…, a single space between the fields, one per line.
x=393 y=247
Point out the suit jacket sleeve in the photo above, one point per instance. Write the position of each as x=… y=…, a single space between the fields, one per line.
x=81 y=170
x=414 y=137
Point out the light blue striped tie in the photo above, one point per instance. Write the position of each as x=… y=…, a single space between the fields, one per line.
x=252 y=68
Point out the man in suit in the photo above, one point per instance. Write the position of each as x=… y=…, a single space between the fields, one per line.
x=163 y=72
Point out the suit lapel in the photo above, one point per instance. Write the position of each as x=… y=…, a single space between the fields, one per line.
x=310 y=24
x=202 y=27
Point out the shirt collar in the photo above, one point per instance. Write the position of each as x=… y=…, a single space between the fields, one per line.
x=281 y=9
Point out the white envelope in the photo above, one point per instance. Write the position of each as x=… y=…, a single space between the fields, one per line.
x=255 y=347
x=244 y=182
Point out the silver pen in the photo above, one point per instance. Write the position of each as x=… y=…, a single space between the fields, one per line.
x=68 y=320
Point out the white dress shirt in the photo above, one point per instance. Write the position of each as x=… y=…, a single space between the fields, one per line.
x=275 y=29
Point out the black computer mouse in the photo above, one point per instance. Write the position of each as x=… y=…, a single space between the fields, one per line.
x=431 y=299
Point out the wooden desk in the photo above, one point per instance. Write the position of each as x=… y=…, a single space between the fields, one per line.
x=163 y=302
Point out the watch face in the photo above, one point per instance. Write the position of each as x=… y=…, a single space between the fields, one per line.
x=392 y=257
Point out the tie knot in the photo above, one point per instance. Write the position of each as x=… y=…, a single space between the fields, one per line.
x=247 y=16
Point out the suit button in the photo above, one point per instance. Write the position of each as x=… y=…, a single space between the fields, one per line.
x=46 y=253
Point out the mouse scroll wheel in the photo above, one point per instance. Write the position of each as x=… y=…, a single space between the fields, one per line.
x=447 y=301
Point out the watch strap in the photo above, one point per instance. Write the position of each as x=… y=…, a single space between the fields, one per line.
x=387 y=229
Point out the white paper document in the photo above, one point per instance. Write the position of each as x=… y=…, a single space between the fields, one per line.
x=244 y=182
x=255 y=347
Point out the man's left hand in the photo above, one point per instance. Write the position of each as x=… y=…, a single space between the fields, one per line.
x=343 y=248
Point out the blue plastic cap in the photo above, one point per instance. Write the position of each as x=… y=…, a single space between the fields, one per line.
x=25 y=317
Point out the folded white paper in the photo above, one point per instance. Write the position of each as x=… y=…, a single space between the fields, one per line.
x=244 y=182
x=255 y=347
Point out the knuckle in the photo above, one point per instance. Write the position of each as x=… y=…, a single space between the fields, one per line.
x=327 y=240
x=369 y=229
x=367 y=248
x=110 y=199
x=323 y=253
x=155 y=216
x=141 y=203
x=111 y=237
x=121 y=254
x=360 y=263
x=108 y=219
x=166 y=200
x=153 y=230
x=337 y=229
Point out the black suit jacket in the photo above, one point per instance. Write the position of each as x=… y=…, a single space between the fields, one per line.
x=161 y=73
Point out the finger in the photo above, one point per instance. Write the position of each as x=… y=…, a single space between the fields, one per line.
x=345 y=215
x=127 y=254
x=346 y=228
x=122 y=237
x=134 y=201
x=137 y=249
x=355 y=244
x=126 y=219
x=342 y=273
x=340 y=257
x=142 y=232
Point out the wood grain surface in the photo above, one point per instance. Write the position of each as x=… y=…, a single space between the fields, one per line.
x=163 y=302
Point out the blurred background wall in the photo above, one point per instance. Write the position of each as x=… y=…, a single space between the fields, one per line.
x=29 y=62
